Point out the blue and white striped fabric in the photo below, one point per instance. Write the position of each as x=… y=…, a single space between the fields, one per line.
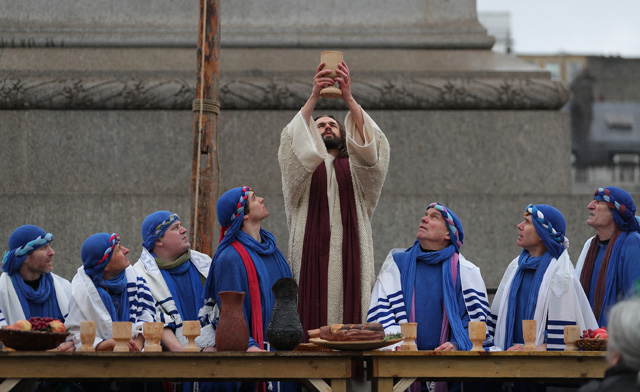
x=209 y=316
x=166 y=309
x=387 y=305
x=86 y=304
x=561 y=301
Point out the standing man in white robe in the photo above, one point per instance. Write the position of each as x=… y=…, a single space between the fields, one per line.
x=332 y=176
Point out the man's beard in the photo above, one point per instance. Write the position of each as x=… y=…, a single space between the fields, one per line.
x=333 y=143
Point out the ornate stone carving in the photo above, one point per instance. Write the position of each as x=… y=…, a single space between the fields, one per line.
x=250 y=93
x=95 y=93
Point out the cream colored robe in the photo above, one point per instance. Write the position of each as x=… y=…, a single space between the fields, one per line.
x=301 y=151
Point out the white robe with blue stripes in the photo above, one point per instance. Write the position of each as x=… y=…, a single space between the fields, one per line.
x=166 y=309
x=561 y=301
x=11 y=308
x=387 y=305
x=86 y=304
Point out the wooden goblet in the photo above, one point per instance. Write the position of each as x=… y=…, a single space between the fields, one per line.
x=409 y=334
x=529 y=334
x=191 y=330
x=87 y=335
x=331 y=59
x=152 y=335
x=477 y=334
x=121 y=333
x=571 y=335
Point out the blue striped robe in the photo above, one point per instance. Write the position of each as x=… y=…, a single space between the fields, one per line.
x=387 y=305
x=166 y=309
x=561 y=301
x=86 y=304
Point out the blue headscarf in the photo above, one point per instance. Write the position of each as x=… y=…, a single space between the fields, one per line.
x=621 y=205
x=154 y=226
x=407 y=260
x=453 y=224
x=550 y=226
x=97 y=251
x=96 y=254
x=230 y=211
x=22 y=242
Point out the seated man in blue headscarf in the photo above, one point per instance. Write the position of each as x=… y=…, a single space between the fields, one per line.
x=431 y=284
x=247 y=259
x=107 y=288
x=609 y=264
x=174 y=272
x=28 y=288
x=540 y=285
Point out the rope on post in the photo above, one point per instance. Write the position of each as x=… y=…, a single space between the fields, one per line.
x=206 y=105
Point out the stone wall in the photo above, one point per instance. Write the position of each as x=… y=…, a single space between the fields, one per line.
x=97 y=128
x=79 y=172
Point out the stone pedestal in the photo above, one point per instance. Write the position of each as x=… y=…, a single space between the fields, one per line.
x=97 y=134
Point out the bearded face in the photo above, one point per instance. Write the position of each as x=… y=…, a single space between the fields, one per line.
x=331 y=132
x=333 y=142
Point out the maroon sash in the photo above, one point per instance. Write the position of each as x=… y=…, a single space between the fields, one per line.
x=587 y=271
x=314 y=272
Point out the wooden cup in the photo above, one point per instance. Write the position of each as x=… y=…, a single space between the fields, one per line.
x=477 y=334
x=529 y=334
x=331 y=59
x=87 y=335
x=191 y=330
x=409 y=334
x=571 y=335
x=152 y=335
x=121 y=333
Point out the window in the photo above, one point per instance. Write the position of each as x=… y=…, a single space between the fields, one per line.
x=619 y=121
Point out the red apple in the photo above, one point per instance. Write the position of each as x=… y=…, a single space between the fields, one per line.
x=23 y=325
x=598 y=331
x=57 y=326
x=602 y=335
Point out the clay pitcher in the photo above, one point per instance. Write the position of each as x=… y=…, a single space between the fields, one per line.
x=232 y=333
x=284 y=331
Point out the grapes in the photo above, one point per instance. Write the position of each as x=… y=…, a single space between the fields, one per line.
x=41 y=323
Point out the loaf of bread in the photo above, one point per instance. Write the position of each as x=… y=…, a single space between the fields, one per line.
x=349 y=332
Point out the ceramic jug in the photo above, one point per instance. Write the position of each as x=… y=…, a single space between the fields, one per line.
x=232 y=333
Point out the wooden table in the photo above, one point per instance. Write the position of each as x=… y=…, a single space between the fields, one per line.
x=309 y=367
x=384 y=366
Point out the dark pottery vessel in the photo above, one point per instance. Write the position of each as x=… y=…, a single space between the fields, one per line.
x=232 y=333
x=285 y=330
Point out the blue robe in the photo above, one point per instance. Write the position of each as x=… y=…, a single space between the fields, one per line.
x=627 y=272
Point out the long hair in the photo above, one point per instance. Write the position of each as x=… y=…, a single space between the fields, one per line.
x=342 y=152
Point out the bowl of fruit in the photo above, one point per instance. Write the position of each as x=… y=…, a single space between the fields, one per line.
x=593 y=340
x=37 y=333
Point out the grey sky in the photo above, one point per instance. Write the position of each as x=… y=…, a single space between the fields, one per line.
x=590 y=27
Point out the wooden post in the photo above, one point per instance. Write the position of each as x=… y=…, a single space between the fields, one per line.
x=205 y=169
